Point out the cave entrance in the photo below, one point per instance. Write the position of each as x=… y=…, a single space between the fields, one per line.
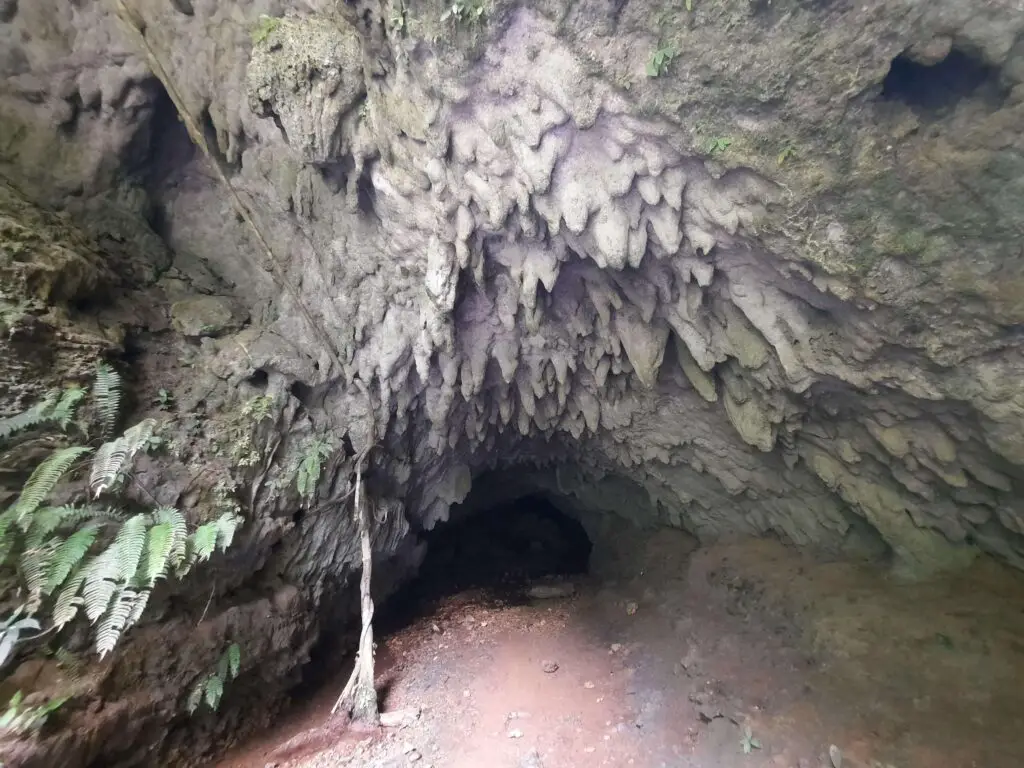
x=496 y=550
x=507 y=546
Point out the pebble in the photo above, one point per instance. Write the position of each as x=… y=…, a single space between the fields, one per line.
x=588 y=685
x=414 y=756
x=515 y=733
x=616 y=647
x=631 y=607
x=549 y=666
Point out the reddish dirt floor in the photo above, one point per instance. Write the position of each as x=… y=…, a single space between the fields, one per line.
x=747 y=655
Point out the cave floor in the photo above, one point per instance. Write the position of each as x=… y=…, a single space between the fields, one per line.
x=670 y=661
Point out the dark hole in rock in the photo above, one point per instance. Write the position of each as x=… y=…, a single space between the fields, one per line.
x=937 y=86
x=259 y=379
x=301 y=392
x=500 y=550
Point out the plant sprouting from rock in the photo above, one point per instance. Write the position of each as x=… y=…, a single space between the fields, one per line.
x=465 y=11
x=307 y=475
x=84 y=551
x=263 y=29
x=210 y=688
x=661 y=59
x=19 y=719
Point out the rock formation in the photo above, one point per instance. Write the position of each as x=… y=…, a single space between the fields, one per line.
x=772 y=285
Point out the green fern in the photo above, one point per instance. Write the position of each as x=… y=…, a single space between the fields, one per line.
x=107 y=394
x=159 y=541
x=64 y=411
x=68 y=555
x=43 y=480
x=179 y=533
x=114 y=457
x=214 y=689
x=202 y=543
x=308 y=475
x=195 y=698
x=234 y=655
x=37 y=414
x=115 y=620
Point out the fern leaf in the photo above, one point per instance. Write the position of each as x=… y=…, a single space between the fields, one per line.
x=107 y=394
x=65 y=409
x=227 y=524
x=159 y=540
x=35 y=565
x=214 y=689
x=138 y=607
x=179 y=533
x=65 y=608
x=99 y=587
x=114 y=457
x=115 y=621
x=44 y=522
x=68 y=555
x=195 y=697
x=203 y=541
x=130 y=543
x=43 y=479
x=114 y=566
x=36 y=414
x=7 y=541
x=234 y=654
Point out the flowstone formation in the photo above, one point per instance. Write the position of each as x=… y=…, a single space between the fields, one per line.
x=772 y=286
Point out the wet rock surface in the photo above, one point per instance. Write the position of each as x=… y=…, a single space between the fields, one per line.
x=775 y=289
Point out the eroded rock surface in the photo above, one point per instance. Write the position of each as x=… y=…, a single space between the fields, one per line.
x=776 y=288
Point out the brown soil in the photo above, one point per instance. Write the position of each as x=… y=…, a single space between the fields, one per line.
x=669 y=664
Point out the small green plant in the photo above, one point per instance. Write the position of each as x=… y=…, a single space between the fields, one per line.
x=788 y=150
x=307 y=476
x=263 y=29
x=210 y=688
x=661 y=59
x=748 y=742
x=718 y=145
x=164 y=400
x=20 y=720
x=465 y=11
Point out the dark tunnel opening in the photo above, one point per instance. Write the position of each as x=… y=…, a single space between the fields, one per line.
x=499 y=551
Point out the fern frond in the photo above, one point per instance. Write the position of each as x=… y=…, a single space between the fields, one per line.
x=195 y=697
x=99 y=586
x=35 y=565
x=130 y=542
x=7 y=541
x=65 y=409
x=36 y=414
x=202 y=542
x=234 y=655
x=107 y=394
x=114 y=457
x=68 y=555
x=137 y=609
x=114 y=567
x=227 y=524
x=214 y=689
x=43 y=479
x=159 y=540
x=179 y=533
x=44 y=522
x=115 y=621
x=65 y=607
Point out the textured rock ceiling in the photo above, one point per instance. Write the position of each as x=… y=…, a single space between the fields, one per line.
x=755 y=294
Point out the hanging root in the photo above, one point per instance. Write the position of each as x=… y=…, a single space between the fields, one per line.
x=359 y=697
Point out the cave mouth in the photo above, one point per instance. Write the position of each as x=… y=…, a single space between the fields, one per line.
x=940 y=86
x=496 y=550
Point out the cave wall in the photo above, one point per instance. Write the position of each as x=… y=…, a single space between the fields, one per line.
x=773 y=290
